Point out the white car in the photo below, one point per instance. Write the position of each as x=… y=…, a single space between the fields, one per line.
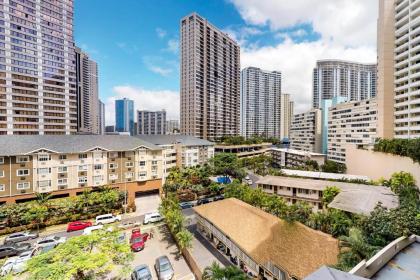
x=16 y=264
x=50 y=241
x=107 y=219
x=152 y=218
x=89 y=230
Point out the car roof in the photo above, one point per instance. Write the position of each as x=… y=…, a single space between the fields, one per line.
x=104 y=215
x=163 y=259
x=152 y=213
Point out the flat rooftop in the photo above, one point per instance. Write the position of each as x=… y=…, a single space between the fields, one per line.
x=324 y=175
x=265 y=238
x=297 y=152
x=168 y=139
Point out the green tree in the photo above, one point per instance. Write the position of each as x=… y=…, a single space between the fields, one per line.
x=43 y=198
x=215 y=272
x=333 y=167
x=36 y=215
x=82 y=257
x=404 y=185
x=184 y=238
x=329 y=194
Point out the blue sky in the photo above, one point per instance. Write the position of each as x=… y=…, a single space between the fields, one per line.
x=135 y=42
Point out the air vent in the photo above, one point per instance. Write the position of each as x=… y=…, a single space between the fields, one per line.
x=82 y=161
x=22 y=191
x=62 y=187
x=22 y=165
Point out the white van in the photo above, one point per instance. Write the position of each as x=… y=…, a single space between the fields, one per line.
x=152 y=218
x=107 y=219
x=89 y=230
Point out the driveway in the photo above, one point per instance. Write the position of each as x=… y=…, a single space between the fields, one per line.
x=147 y=203
x=163 y=244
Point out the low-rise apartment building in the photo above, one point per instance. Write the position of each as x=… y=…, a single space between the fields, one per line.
x=246 y=150
x=354 y=198
x=284 y=157
x=306 y=131
x=66 y=165
x=351 y=123
x=263 y=244
x=181 y=150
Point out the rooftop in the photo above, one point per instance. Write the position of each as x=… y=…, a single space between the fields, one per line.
x=27 y=144
x=167 y=139
x=266 y=238
x=328 y=273
x=297 y=152
x=323 y=175
x=228 y=146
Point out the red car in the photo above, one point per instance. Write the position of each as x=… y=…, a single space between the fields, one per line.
x=137 y=240
x=79 y=225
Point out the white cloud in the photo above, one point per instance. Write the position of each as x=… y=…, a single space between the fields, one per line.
x=296 y=61
x=161 y=33
x=143 y=100
x=173 y=46
x=241 y=34
x=160 y=70
x=346 y=22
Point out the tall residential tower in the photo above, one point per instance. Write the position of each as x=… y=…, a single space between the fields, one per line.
x=337 y=78
x=37 y=68
x=124 y=115
x=151 y=122
x=210 y=80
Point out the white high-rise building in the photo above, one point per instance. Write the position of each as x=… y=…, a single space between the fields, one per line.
x=210 y=80
x=261 y=103
x=306 y=131
x=87 y=94
x=151 y=122
x=37 y=68
x=337 y=78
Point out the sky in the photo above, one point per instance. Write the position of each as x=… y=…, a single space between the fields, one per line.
x=136 y=42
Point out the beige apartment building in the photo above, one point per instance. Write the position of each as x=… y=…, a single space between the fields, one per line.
x=37 y=68
x=351 y=123
x=67 y=165
x=287 y=109
x=245 y=150
x=181 y=150
x=210 y=80
x=306 y=131
x=284 y=157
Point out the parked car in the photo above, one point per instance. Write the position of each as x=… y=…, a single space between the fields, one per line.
x=13 y=250
x=164 y=268
x=20 y=237
x=141 y=272
x=89 y=230
x=203 y=201
x=218 y=197
x=186 y=205
x=128 y=225
x=16 y=264
x=50 y=240
x=138 y=240
x=152 y=218
x=78 y=225
x=107 y=219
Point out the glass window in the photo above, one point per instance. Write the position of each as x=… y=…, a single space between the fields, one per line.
x=23 y=185
x=82 y=167
x=62 y=157
x=43 y=171
x=44 y=157
x=1 y=173
x=142 y=163
x=82 y=180
x=44 y=184
x=82 y=156
x=62 y=181
x=1 y=160
x=2 y=187
x=22 y=159
x=98 y=166
x=22 y=172
x=62 y=169
x=113 y=176
x=113 y=165
x=129 y=164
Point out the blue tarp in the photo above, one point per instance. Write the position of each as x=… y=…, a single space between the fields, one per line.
x=223 y=180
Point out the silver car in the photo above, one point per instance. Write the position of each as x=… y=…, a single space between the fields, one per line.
x=19 y=237
x=164 y=268
x=50 y=240
x=141 y=272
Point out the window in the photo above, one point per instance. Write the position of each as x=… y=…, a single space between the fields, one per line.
x=44 y=157
x=142 y=174
x=142 y=163
x=82 y=180
x=23 y=186
x=22 y=172
x=62 y=169
x=1 y=160
x=22 y=159
x=1 y=173
x=113 y=176
x=2 y=188
x=82 y=167
x=98 y=178
x=129 y=175
x=43 y=171
x=113 y=165
x=62 y=182
x=113 y=154
x=82 y=156
x=62 y=157
x=44 y=184
x=129 y=164
x=97 y=166
x=154 y=162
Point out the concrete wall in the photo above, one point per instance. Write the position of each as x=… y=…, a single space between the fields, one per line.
x=373 y=265
x=376 y=165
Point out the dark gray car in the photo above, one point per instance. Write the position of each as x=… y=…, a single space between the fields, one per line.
x=19 y=237
x=13 y=250
x=164 y=268
x=141 y=272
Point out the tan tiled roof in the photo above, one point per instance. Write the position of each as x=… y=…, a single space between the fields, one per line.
x=291 y=246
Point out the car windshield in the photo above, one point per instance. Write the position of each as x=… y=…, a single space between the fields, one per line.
x=143 y=273
x=137 y=239
x=165 y=266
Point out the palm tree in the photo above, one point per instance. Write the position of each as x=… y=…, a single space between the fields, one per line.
x=42 y=198
x=184 y=238
x=215 y=272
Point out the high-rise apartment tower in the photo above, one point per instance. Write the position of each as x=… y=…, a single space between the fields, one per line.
x=151 y=123
x=124 y=115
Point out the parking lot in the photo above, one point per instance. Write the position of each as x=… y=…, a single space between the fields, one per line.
x=163 y=244
x=147 y=203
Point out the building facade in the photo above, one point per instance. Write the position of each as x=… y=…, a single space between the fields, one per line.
x=101 y=116
x=37 y=68
x=124 y=115
x=88 y=111
x=283 y=157
x=151 y=122
x=287 y=111
x=261 y=103
x=210 y=80
x=306 y=131
x=244 y=150
x=337 y=78
x=67 y=165
x=351 y=123
x=172 y=127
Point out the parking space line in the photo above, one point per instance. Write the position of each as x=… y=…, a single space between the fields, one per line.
x=190 y=277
